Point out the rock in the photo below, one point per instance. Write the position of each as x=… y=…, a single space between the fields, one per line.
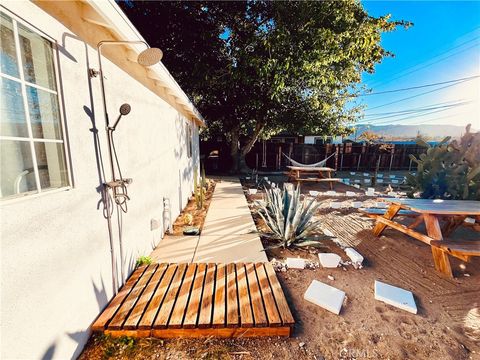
x=330 y=277
x=302 y=344
x=467 y=275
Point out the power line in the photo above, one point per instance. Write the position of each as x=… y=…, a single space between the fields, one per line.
x=418 y=95
x=422 y=108
x=428 y=61
x=410 y=117
x=416 y=87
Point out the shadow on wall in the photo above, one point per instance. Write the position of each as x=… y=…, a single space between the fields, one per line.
x=81 y=337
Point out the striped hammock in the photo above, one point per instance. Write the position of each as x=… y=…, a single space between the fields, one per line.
x=318 y=164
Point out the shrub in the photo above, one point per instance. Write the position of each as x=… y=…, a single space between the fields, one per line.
x=449 y=170
x=144 y=260
x=289 y=218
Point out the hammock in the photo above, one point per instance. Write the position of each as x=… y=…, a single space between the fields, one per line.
x=318 y=164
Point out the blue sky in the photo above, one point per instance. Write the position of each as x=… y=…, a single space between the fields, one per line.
x=443 y=45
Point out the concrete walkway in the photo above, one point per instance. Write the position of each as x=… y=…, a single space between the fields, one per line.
x=229 y=233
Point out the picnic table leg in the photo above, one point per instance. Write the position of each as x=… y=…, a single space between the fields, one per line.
x=440 y=258
x=389 y=214
x=452 y=224
x=418 y=220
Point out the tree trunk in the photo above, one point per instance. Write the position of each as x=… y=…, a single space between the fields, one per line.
x=238 y=154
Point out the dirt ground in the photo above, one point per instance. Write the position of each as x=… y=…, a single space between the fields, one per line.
x=197 y=214
x=447 y=325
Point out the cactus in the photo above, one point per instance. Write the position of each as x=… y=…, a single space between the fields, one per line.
x=449 y=170
x=199 y=189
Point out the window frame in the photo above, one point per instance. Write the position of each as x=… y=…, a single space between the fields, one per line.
x=58 y=93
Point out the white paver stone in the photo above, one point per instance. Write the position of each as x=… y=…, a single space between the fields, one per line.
x=395 y=296
x=354 y=255
x=329 y=260
x=325 y=296
x=295 y=263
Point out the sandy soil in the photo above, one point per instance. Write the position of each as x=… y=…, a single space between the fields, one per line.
x=447 y=325
x=198 y=214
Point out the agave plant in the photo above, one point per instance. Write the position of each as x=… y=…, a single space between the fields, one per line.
x=289 y=218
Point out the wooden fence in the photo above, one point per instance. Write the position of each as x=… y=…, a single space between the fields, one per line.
x=267 y=156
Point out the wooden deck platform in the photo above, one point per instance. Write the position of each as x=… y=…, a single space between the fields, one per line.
x=197 y=300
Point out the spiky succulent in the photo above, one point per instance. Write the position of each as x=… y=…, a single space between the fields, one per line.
x=289 y=218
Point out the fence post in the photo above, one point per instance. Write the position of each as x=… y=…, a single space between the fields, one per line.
x=391 y=157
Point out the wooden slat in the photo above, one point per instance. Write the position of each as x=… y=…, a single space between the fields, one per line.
x=157 y=299
x=181 y=303
x=404 y=229
x=232 y=304
x=273 y=316
x=117 y=301
x=200 y=300
x=131 y=299
x=246 y=315
x=166 y=309
x=220 y=296
x=137 y=312
x=191 y=314
x=260 y=319
x=392 y=210
x=283 y=331
x=205 y=317
x=282 y=304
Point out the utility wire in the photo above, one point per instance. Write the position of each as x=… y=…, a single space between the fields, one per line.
x=418 y=95
x=419 y=109
x=416 y=87
x=427 y=63
x=410 y=117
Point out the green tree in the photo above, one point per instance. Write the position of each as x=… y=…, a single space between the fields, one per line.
x=255 y=68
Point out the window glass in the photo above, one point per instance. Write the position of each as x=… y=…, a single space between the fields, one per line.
x=37 y=58
x=31 y=140
x=8 y=60
x=12 y=114
x=44 y=114
x=50 y=160
x=17 y=174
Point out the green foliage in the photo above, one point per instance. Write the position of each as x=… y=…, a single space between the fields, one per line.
x=144 y=260
x=256 y=68
x=289 y=218
x=116 y=346
x=199 y=190
x=449 y=170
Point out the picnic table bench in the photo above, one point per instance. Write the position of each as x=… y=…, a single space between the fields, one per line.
x=430 y=212
x=324 y=174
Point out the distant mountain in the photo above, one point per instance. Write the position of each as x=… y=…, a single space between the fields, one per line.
x=411 y=131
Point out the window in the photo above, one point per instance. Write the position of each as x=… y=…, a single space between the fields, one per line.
x=32 y=156
x=189 y=140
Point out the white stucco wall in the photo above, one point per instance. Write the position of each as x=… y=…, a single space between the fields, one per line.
x=55 y=253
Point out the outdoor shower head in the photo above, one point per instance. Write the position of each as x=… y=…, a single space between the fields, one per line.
x=150 y=56
x=124 y=110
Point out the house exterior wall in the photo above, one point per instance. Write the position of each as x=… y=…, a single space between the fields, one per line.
x=55 y=254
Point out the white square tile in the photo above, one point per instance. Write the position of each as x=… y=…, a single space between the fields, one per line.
x=329 y=260
x=325 y=296
x=295 y=263
x=395 y=296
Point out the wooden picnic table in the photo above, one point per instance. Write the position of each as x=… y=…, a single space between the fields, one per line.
x=323 y=174
x=430 y=212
